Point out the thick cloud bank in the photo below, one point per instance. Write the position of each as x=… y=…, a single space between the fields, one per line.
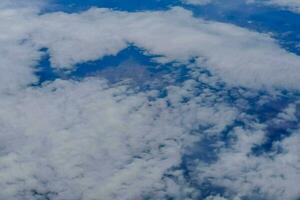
x=90 y=139
x=238 y=56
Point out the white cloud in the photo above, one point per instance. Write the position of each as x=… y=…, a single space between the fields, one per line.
x=197 y=2
x=93 y=140
x=29 y=4
x=217 y=197
x=269 y=176
x=17 y=54
x=288 y=114
x=239 y=56
x=293 y=5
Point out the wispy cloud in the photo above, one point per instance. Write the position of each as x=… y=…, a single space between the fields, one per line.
x=293 y=5
x=197 y=2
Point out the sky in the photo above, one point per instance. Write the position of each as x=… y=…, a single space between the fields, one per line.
x=171 y=100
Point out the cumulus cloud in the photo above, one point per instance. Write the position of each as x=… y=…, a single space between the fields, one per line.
x=90 y=139
x=18 y=54
x=239 y=56
x=272 y=175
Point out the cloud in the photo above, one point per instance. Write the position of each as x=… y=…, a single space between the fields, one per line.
x=293 y=5
x=30 y=4
x=239 y=56
x=19 y=55
x=197 y=2
x=272 y=175
x=90 y=139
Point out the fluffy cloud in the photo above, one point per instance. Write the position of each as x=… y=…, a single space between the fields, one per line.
x=90 y=139
x=239 y=56
x=18 y=55
x=273 y=175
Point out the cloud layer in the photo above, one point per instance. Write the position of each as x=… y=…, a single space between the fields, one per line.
x=91 y=139
x=238 y=56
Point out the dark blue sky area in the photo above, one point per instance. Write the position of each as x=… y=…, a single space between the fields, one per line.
x=128 y=5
